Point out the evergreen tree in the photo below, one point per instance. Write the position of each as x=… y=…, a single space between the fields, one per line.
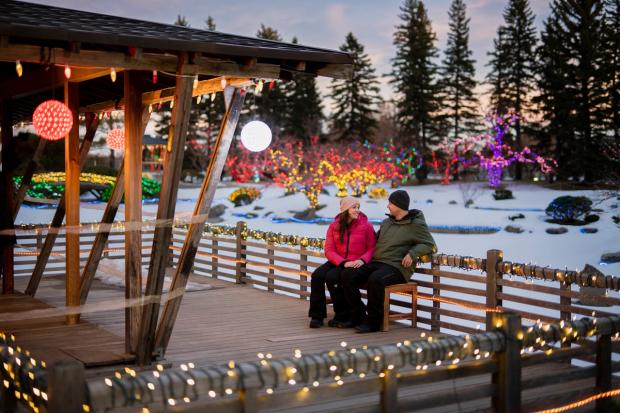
x=572 y=86
x=611 y=40
x=457 y=76
x=271 y=104
x=304 y=106
x=355 y=100
x=414 y=76
x=210 y=23
x=513 y=61
x=181 y=21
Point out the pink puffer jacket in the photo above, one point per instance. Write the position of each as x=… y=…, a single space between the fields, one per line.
x=359 y=241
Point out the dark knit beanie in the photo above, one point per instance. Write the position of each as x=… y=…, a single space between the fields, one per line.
x=400 y=198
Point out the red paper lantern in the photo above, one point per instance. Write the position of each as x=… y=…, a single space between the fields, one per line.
x=116 y=139
x=52 y=120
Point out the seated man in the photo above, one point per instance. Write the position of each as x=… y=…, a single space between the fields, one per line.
x=403 y=237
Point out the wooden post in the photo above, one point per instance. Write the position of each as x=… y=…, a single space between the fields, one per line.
x=389 y=392
x=603 y=373
x=162 y=237
x=27 y=178
x=271 y=254
x=507 y=379
x=72 y=203
x=435 y=316
x=66 y=389
x=7 y=266
x=303 y=267
x=201 y=212
x=133 y=205
x=50 y=238
x=214 y=253
x=494 y=258
x=240 y=254
x=249 y=400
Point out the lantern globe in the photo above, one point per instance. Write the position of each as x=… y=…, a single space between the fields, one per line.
x=52 y=120
x=256 y=136
x=116 y=139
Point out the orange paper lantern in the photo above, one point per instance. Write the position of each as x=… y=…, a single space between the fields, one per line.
x=52 y=120
x=116 y=139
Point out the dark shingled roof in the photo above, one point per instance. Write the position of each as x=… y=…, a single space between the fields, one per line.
x=35 y=22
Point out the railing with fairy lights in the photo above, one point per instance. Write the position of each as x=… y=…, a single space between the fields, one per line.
x=493 y=365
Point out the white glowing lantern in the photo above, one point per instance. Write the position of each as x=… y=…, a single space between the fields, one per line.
x=256 y=136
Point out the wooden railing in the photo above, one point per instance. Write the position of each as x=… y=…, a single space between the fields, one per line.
x=486 y=368
x=456 y=295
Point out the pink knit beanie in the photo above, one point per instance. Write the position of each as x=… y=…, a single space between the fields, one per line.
x=347 y=202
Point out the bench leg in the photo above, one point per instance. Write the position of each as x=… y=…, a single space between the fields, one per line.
x=414 y=305
x=386 y=312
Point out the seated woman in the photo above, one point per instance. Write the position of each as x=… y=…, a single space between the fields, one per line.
x=349 y=243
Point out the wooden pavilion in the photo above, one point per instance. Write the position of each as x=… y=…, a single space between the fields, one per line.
x=152 y=63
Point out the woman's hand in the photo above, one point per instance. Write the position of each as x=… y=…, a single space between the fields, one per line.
x=353 y=264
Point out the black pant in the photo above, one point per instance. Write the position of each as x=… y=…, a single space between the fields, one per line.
x=328 y=275
x=376 y=276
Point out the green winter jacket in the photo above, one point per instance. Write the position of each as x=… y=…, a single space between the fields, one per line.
x=410 y=236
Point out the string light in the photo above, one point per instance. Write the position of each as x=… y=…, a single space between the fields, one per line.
x=223 y=82
x=67 y=72
x=18 y=68
x=212 y=96
x=195 y=84
x=259 y=86
x=154 y=76
x=113 y=74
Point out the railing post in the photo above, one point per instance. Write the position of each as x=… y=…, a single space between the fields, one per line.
x=507 y=379
x=303 y=268
x=389 y=392
x=249 y=400
x=494 y=258
x=66 y=388
x=214 y=254
x=272 y=262
x=8 y=402
x=603 y=372
x=435 y=316
x=240 y=255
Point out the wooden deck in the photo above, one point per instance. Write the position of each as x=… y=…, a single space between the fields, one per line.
x=227 y=322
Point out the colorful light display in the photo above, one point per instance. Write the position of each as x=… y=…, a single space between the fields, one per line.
x=52 y=120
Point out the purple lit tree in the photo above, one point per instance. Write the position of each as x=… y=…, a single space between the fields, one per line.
x=500 y=155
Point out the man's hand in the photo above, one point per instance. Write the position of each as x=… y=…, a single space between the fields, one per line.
x=407 y=261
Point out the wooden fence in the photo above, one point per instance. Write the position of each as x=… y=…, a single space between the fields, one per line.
x=456 y=295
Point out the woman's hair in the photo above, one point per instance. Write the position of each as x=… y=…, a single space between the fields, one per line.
x=344 y=223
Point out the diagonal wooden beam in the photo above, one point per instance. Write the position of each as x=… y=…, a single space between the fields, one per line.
x=201 y=212
x=27 y=177
x=111 y=208
x=92 y=122
x=165 y=212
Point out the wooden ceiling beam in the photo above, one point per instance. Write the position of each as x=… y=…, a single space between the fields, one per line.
x=40 y=80
x=142 y=61
x=204 y=87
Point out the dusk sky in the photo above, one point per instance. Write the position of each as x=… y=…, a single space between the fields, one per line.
x=321 y=23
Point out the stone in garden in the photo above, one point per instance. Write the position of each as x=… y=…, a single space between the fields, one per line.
x=429 y=201
x=610 y=257
x=453 y=202
x=514 y=229
x=588 y=230
x=258 y=208
x=556 y=230
x=518 y=216
x=306 y=215
x=217 y=211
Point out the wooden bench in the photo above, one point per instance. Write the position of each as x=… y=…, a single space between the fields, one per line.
x=408 y=289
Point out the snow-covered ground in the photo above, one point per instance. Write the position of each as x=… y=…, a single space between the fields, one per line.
x=573 y=249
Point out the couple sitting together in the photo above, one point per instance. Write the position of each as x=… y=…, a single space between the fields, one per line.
x=357 y=257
